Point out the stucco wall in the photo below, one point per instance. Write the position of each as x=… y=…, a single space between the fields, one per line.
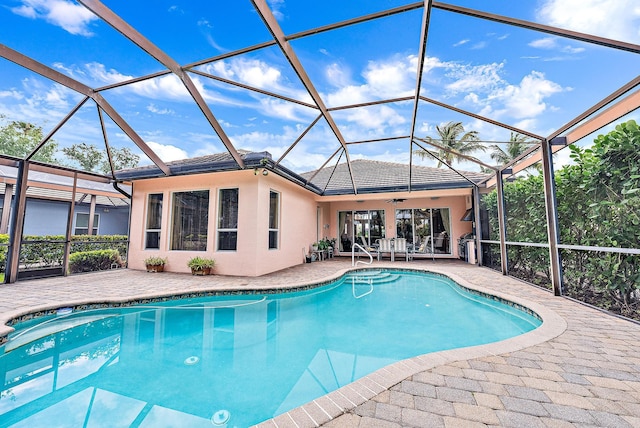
x=456 y=205
x=252 y=257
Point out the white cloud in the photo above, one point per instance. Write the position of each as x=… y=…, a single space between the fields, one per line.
x=168 y=87
x=467 y=78
x=382 y=79
x=276 y=8
x=274 y=107
x=338 y=76
x=72 y=17
x=527 y=99
x=11 y=93
x=552 y=43
x=375 y=117
x=167 y=152
x=154 y=109
x=37 y=101
x=395 y=78
x=618 y=19
x=461 y=42
x=545 y=43
x=99 y=72
x=258 y=74
x=300 y=159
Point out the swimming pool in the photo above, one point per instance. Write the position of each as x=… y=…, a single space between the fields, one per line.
x=236 y=359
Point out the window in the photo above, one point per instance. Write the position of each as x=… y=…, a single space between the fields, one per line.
x=228 y=219
x=274 y=219
x=154 y=221
x=82 y=224
x=190 y=220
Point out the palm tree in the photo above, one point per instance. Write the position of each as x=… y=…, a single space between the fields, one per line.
x=452 y=137
x=518 y=144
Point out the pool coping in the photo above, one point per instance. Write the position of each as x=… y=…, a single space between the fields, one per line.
x=348 y=397
x=344 y=399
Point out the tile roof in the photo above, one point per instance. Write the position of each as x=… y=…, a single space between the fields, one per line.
x=370 y=176
x=377 y=176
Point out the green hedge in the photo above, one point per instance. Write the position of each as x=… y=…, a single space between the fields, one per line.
x=90 y=261
x=51 y=251
x=598 y=198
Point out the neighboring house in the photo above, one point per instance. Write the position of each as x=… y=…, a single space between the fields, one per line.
x=49 y=200
x=264 y=218
x=49 y=217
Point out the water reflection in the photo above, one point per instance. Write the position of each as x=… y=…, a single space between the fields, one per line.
x=166 y=367
x=244 y=360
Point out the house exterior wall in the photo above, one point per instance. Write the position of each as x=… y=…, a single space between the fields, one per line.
x=456 y=204
x=114 y=221
x=48 y=217
x=252 y=256
x=45 y=217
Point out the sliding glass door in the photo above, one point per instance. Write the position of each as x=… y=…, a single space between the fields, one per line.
x=361 y=227
x=429 y=229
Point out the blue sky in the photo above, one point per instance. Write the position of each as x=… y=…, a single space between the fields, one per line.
x=520 y=77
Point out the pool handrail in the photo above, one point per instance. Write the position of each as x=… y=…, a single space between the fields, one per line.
x=353 y=255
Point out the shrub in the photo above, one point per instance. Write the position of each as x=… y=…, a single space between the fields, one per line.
x=155 y=261
x=200 y=263
x=89 y=261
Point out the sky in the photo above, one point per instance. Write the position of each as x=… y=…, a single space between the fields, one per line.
x=523 y=78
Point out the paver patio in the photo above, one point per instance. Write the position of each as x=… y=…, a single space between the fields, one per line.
x=587 y=374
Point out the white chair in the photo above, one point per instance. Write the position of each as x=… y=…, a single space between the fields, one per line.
x=385 y=247
x=400 y=246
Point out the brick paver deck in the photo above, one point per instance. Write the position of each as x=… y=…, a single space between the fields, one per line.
x=581 y=368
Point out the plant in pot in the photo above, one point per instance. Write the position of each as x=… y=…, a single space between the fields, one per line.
x=155 y=264
x=201 y=265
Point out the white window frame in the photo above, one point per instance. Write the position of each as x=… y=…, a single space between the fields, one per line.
x=218 y=213
x=277 y=228
x=171 y=218
x=146 y=222
x=94 y=229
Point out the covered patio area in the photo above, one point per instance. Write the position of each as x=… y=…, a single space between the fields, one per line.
x=581 y=368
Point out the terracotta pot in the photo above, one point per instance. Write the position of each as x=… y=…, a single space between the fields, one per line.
x=204 y=271
x=155 y=268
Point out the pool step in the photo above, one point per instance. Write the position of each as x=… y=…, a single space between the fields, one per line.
x=376 y=278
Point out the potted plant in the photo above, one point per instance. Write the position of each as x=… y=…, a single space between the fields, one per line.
x=201 y=265
x=322 y=245
x=155 y=264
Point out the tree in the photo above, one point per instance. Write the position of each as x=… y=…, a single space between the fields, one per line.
x=598 y=202
x=91 y=158
x=19 y=139
x=452 y=137
x=518 y=144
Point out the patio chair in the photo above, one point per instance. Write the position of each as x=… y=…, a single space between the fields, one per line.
x=385 y=247
x=400 y=246
x=370 y=249
x=425 y=248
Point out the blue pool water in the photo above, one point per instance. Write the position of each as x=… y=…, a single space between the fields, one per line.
x=235 y=360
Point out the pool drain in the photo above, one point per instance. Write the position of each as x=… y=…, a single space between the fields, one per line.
x=221 y=417
x=191 y=361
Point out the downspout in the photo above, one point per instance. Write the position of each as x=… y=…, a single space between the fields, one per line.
x=123 y=192
x=120 y=190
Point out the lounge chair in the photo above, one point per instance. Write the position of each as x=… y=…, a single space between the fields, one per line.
x=368 y=248
x=425 y=248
